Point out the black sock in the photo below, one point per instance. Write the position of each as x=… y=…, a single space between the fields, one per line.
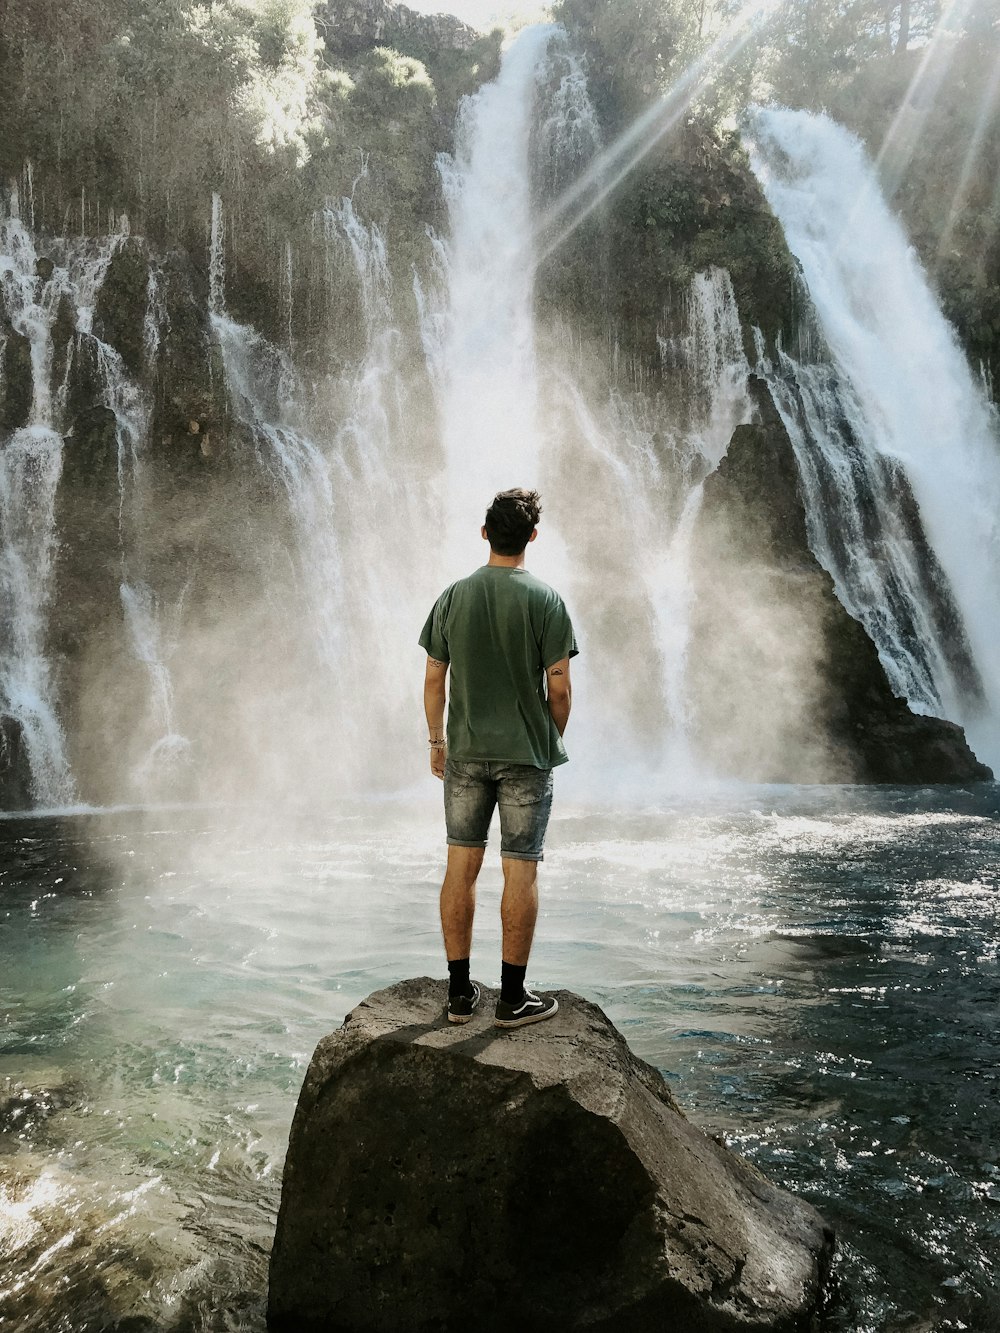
x=512 y=983
x=458 y=977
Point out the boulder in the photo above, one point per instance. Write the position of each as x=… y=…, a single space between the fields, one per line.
x=451 y=1177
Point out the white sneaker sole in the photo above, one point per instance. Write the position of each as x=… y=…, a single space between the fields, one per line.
x=528 y=1018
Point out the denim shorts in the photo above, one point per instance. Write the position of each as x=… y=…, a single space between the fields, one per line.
x=474 y=788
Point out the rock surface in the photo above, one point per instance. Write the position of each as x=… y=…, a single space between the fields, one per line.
x=445 y=1177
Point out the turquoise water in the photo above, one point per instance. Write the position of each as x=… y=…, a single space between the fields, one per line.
x=815 y=970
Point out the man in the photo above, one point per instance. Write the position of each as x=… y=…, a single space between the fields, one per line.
x=507 y=639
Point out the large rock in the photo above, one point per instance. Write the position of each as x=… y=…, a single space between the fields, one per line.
x=443 y=1177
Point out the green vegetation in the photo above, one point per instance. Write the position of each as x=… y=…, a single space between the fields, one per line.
x=149 y=106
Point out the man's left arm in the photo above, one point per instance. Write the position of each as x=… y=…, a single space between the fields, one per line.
x=559 y=693
x=435 y=676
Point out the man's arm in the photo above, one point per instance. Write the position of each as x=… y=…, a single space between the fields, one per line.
x=434 y=699
x=559 y=692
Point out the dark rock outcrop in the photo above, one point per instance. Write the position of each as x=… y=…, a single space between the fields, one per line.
x=787 y=685
x=15 y=771
x=15 y=378
x=441 y=1177
x=120 y=311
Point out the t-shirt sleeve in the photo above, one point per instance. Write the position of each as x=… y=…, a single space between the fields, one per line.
x=432 y=637
x=558 y=639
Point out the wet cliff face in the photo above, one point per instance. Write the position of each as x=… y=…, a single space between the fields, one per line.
x=237 y=406
x=813 y=702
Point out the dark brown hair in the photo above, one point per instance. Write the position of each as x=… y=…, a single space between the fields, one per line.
x=510 y=520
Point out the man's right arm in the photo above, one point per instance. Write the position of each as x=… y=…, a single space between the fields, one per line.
x=560 y=695
x=435 y=675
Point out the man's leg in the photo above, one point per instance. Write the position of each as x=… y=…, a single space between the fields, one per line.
x=458 y=900
x=518 y=909
x=525 y=799
x=469 y=801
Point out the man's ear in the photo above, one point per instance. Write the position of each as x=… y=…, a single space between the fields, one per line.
x=483 y=531
x=534 y=534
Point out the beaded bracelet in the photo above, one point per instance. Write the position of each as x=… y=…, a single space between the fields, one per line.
x=437 y=745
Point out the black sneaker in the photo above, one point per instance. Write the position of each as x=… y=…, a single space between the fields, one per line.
x=462 y=1007
x=529 y=1009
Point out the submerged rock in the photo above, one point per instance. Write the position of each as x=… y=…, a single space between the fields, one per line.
x=446 y=1177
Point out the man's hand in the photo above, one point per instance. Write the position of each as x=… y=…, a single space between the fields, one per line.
x=439 y=756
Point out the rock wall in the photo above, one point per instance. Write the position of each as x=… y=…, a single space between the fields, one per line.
x=787 y=686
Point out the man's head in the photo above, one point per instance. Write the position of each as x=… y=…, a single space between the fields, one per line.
x=511 y=519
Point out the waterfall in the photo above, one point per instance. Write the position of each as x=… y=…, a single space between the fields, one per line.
x=646 y=457
x=915 y=404
x=489 y=394
x=519 y=406
x=143 y=623
x=30 y=467
x=862 y=528
x=344 y=453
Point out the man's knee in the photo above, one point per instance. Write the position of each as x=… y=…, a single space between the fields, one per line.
x=464 y=864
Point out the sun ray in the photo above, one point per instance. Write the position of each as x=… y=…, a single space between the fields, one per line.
x=987 y=107
x=611 y=166
x=906 y=128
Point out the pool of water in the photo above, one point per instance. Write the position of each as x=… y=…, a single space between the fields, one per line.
x=815 y=970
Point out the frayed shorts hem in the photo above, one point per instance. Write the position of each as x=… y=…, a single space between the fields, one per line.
x=504 y=854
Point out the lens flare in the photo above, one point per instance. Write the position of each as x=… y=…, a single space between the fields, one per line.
x=987 y=108
x=907 y=127
x=611 y=167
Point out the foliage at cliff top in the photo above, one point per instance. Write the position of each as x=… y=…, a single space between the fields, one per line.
x=150 y=106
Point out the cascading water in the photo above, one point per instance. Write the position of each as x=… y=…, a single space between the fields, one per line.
x=30 y=467
x=354 y=488
x=517 y=408
x=261 y=384
x=489 y=393
x=915 y=402
x=862 y=529
x=143 y=623
x=647 y=460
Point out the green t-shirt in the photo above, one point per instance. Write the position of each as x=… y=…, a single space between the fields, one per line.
x=500 y=629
